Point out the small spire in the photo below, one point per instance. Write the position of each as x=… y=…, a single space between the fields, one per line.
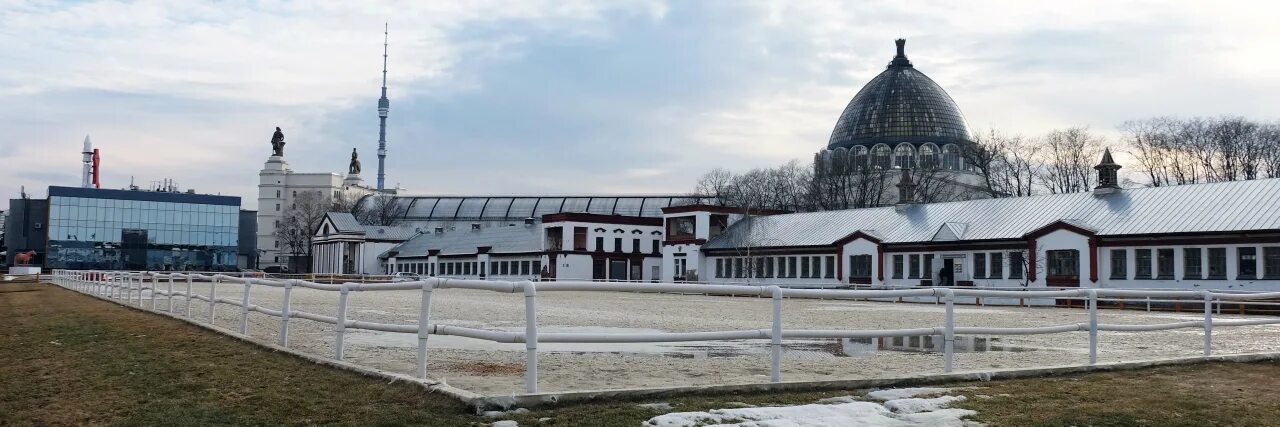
x=900 y=60
x=906 y=188
x=1108 y=178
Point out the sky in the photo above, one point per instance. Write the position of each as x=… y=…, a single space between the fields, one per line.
x=632 y=96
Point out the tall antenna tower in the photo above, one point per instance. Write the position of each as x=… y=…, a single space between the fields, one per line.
x=384 y=105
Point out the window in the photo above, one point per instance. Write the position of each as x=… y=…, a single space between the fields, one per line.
x=1063 y=263
x=1164 y=263
x=1016 y=265
x=617 y=244
x=1248 y=263
x=680 y=228
x=927 y=273
x=635 y=246
x=719 y=267
x=768 y=267
x=1142 y=259
x=493 y=267
x=860 y=266
x=791 y=267
x=804 y=267
x=737 y=267
x=537 y=266
x=599 y=244
x=524 y=268
x=759 y=267
x=579 y=238
x=1271 y=262
x=830 y=270
x=881 y=156
x=997 y=266
x=979 y=266
x=1191 y=268
x=656 y=244
x=1217 y=263
x=904 y=156
x=914 y=272
x=277 y=194
x=277 y=207
x=817 y=266
x=1119 y=264
x=897 y=266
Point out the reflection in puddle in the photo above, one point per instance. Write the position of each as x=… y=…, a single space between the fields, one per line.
x=837 y=347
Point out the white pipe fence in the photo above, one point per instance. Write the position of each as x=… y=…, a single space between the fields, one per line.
x=121 y=287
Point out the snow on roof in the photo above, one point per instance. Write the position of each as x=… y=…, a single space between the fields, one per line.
x=1199 y=208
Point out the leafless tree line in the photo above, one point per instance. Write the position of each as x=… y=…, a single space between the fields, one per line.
x=307 y=210
x=1173 y=151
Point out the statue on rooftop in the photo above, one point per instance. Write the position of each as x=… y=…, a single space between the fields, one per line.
x=354 y=169
x=277 y=143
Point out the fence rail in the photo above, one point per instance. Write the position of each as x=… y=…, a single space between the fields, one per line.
x=127 y=288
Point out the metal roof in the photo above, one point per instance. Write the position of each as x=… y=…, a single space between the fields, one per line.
x=344 y=222
x=1198 y=208
x=509 y=239
x=513 y=207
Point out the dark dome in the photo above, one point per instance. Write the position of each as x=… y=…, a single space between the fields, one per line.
x=900 y=105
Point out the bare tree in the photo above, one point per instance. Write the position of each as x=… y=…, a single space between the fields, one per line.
x=1069 y=156
x=1007 y=165
x=298 y=225
x=380 y=209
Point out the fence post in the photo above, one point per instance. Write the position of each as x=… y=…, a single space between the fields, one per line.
x=949 y=333
x=1093 y=327
x=213 y=297
x=188 y=306
x=284 y=313
x=1208 y=323
x=171 y=293
x=424 y=326
x=775 y=337
x=340 y=327
x=244 y=309
x=1148 y=304
x=530 y=337
x=155 y=280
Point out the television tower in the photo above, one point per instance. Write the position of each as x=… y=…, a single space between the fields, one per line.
x=384 y=105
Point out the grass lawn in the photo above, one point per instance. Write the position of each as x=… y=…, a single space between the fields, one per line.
x=67 y=358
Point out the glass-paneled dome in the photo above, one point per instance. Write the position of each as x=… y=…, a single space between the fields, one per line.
x=900 y=105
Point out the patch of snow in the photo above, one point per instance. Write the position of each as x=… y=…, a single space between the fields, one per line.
x=662 y=406
x=835 y=411
x=903 y=393
x=914 y=405
x=504 y=413
x=506 y=423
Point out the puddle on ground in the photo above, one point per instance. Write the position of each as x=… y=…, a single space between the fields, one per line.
x=834 y=347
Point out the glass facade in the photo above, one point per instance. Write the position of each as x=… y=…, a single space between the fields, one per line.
x=139 y=230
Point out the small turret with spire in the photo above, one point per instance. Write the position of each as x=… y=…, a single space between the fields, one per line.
x=1108 y=178
x=906 y=190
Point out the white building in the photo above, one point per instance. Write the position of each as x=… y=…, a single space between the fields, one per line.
x=279 y=186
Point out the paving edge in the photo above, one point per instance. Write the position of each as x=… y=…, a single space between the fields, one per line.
x=481 y=402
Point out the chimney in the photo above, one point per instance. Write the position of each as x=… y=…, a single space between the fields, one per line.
x=1108 y=180
x=906 y=190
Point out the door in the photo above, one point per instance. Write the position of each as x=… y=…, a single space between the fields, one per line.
x=617 y=269
x=947 y=276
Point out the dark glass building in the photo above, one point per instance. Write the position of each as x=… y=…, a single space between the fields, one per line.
x=92 y=228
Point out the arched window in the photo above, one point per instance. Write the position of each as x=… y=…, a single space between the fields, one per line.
x=904 y=156
x=951 y=157
x=859 y=158
x=930 y=158
x=881 y=156
x=840 y=160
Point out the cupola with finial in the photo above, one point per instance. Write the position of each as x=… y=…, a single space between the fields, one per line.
x=1108 y=179
x=906 y=190
x=900 y=60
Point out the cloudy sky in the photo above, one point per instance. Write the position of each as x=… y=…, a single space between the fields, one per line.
x=575 y=96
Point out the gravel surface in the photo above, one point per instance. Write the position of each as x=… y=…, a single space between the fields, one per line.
x=497 y=369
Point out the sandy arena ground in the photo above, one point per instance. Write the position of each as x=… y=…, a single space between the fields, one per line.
x=497 y=369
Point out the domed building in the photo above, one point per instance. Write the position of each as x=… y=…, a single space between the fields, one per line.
x=901 y=119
